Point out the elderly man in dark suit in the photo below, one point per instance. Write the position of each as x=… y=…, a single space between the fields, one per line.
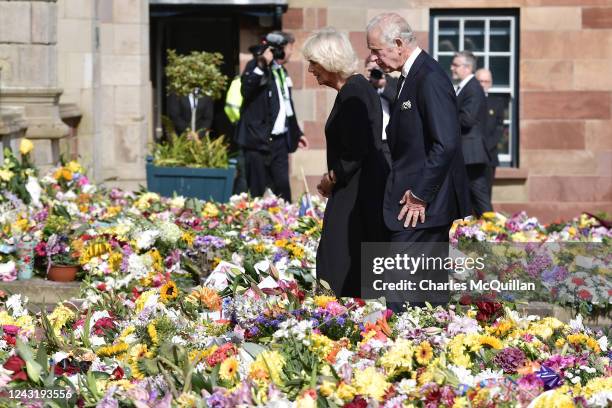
x=496 y=105
x=472 y=105
x=179 y=111
x=427 y=187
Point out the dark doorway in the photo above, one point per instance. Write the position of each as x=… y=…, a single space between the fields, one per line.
x=203 y=27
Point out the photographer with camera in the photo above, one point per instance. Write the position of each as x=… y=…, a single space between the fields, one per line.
x=386 y=87
x=268 y=129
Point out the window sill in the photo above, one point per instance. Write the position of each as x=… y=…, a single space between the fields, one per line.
x=509 y=173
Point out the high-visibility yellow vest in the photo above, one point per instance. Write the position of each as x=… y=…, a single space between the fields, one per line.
x=233 y=101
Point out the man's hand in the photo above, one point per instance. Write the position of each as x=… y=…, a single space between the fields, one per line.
x=265 y=58
x=303 y=142
x=326 y=185
x=413 y=210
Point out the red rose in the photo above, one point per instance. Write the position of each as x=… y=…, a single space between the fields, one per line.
x=101 y=286
x=117 y=373
x=578 y=281
x=585 y=294
x=358 y=402
x=16 y=365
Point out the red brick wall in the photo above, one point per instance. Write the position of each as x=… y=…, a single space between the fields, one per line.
x=565 y=100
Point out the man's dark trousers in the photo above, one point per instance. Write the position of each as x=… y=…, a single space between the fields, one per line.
x=271 y=168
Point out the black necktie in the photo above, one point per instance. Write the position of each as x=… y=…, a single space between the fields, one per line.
x=399 y=86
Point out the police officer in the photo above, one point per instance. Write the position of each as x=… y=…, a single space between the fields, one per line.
x=268 y=129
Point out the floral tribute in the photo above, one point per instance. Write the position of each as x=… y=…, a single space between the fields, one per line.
x=200 y=304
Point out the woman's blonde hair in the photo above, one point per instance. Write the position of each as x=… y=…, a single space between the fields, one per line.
x=332 y=50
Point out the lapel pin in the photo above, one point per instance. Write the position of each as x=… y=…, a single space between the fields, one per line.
x=406 y=105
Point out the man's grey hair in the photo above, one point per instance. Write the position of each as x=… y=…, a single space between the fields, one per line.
x=469 y=58
x=392 y=26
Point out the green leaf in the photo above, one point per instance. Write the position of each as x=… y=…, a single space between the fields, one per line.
x=34 y=369
x=214 y=375
x=253 y=349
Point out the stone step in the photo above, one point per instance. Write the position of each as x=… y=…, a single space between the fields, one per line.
x=42 y=292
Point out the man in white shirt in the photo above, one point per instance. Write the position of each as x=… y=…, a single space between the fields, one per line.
x=268 y=130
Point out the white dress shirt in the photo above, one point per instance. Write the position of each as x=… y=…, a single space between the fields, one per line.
x=386 y=113
x=285 y=110
x=463 y=83
x=408 y=65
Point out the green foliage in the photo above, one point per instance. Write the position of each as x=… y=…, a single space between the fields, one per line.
x=189 y=150
x=14 y=175
x=198 y=70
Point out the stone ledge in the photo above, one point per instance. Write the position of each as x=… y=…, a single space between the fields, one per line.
x=511 y=173
x=42 y=292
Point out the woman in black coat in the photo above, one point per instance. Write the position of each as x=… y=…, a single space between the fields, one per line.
x=357 y=168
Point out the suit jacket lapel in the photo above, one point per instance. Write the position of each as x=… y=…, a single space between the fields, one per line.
x=408 y=82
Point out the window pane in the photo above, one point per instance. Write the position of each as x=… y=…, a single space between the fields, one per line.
x=448 y=36
x=500 y=36
x=503 y=147
x=445 y=62
x=500 y=69
x=473 y=35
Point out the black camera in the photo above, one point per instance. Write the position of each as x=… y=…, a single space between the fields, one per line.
x=276 y=42
x=376 y=74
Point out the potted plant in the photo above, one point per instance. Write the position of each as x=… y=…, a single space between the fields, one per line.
x=56 y=248
x=189 y=164
x=62 y=264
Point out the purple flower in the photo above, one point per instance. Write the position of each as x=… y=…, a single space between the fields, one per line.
x=218 y=400
x=510 y=359
x=530 y=381
x=538 y=264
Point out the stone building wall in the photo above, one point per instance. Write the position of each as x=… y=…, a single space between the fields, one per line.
x=565 y=96
x=103 y=66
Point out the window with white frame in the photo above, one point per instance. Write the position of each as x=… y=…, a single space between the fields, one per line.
x=493 y=39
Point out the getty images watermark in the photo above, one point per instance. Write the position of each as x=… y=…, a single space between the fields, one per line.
x=405 y=264
x=437 y=272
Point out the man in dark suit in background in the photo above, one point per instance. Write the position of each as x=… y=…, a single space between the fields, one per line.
x=496 y=105
x=427 y=187
x=472 y=107
x=268 y=129
x=179 y=111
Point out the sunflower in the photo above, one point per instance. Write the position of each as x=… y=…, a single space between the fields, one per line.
x=169 y=291
x=114 y=350
x=491 y=341
x=229 y=369
x=424 y=353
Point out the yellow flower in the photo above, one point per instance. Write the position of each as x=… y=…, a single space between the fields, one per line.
x=114 y=350
x=398 y=358
x=327 y=388
x=186 y=400
x=322 y=301
x=321 y=345
x=489 y=215
x=152 y=331
x=143 y=298
x=26 y=146
x=424 y=353
x=346 y=392
x=137 y=353
x=267 y=366
x=169 y=291
x=74 y=167
x=6 y=175
x=210 y=210
x=188 y=238
x=308 y=399
x=597 y=385
x=59 y=317
x=229 y=369
x=553 y=399
x=491 y=341
x=371 y=383
x=115 y=260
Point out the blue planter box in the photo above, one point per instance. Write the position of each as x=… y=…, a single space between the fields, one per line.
x=202 y=183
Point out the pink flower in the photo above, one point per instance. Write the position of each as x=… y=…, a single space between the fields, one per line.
x=335 y=308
